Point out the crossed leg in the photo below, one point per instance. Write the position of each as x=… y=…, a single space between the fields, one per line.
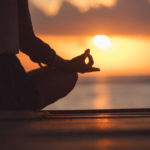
x=52 y=84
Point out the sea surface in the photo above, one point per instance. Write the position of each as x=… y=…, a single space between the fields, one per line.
x=107 y=93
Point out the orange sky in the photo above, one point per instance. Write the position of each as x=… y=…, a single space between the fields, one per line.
x=69 y=35
x=125 y=56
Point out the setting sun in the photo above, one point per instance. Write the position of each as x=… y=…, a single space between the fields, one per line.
x=101 y=41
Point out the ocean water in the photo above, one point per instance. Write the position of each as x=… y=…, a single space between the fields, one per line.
x=110 y=93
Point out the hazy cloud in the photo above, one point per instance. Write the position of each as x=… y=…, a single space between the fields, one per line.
x=52 y=7
x=126 y=17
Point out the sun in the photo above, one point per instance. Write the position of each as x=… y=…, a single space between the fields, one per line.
x=101 y=41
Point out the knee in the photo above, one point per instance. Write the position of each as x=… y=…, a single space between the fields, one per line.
x=74 y=79
x=70 y=84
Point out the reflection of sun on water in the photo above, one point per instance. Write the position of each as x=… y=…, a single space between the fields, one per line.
x=102 y=100
x=101 y=41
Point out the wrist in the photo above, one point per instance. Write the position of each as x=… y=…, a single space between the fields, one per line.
x=61 y=63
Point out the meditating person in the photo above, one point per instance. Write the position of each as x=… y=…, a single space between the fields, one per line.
x=20 y=90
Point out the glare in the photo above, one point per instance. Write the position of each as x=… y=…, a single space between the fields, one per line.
x=101 y=41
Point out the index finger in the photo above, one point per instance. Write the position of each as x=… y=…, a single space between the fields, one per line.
x=86 y=53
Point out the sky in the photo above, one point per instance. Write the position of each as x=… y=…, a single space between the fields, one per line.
x=52 y=7
x=121 y=17
x=69 y=26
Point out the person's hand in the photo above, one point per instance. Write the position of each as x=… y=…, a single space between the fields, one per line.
x=78 y=64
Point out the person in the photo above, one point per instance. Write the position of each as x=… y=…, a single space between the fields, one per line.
x=38 y=88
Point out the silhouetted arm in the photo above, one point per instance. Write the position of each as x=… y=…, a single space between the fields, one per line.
x=41 y=52
x=29 y=43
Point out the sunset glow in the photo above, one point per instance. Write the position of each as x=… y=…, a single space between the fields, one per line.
x=71 y=26
x=125 y=56
x=118 y=36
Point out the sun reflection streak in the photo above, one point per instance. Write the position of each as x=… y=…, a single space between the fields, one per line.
x=103 y=98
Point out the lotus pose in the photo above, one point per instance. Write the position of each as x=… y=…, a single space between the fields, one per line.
x=20 y=90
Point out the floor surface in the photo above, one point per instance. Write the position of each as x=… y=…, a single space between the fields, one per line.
x=75 y=130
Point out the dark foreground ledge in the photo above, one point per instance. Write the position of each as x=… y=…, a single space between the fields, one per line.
x=101 y=110
x=79 y=129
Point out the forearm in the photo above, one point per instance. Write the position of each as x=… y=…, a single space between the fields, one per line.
x=31 y=45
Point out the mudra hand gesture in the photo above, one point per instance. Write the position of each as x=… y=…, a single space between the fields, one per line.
x=78 y=63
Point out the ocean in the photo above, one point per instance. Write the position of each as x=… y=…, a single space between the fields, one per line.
x=106 y=93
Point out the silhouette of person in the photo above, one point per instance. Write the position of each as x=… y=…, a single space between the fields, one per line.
x=36 y=89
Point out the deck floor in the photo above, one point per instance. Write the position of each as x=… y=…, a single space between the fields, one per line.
x=75 y=130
